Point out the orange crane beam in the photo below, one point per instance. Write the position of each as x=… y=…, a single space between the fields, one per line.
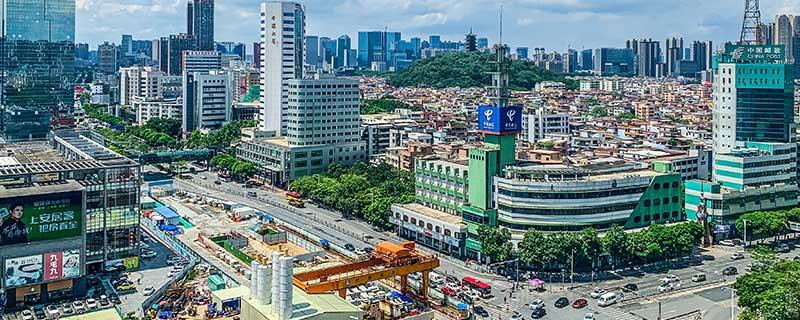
x=388 y=261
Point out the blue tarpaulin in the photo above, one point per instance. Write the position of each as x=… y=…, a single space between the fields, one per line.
x=167 y=213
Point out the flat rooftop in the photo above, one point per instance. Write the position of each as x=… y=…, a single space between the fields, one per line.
x=432 y=213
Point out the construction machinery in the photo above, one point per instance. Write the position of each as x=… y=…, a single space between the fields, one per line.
x=389 y=260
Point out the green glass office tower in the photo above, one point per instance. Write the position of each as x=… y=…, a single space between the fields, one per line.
x=37 y=69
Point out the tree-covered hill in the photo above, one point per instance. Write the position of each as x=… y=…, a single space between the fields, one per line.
x=470 y=69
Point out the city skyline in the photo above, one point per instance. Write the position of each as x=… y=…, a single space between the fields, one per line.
x=99 y=21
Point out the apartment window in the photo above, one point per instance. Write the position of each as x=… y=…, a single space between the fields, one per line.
x=414 y=220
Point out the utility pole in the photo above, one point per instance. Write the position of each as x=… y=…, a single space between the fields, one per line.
x=733 y=303
x=745 y=233
x=572 y=269
x=659 y=310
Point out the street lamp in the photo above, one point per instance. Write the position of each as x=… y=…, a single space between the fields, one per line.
x=745 y=232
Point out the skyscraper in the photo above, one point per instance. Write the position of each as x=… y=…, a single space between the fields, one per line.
x=471 y=42
x=648 y=56
x=283 y=30
x=753 y=98
x=673 y=52
x=327 y=50
x=107 y=57
x=784 y=33
x=228 y=47
x=342 y=50
x=416 y=46
x=702 y=54
x=585 y=59
x=176 y=45
x=435 y=41
x=37 y=65
x=768 y=30
x=312 y=51
x=522 y=53
x=377 y=46
x=483 y=43
x=608 y=61
x=200 y=23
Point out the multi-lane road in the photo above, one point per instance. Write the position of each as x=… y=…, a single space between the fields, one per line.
x=710 y=297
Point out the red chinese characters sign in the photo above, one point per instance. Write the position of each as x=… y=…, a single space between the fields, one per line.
x=53 y=266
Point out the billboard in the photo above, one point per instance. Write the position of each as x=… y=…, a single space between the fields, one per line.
x=62 y=265
x=23 y=271
x=497 y=120
x=40 y=217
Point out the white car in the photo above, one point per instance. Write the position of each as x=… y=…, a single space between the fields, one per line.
x=737 y=255
x=588 y=316
x=666 y=287
x=517 y=316
x=597 y=292
x=79 y=307
x=149 y=291
x=455 y=286
x=27 y=315
x=53 y=311
x=91 y=303
x=536 y=304
x=472 y=294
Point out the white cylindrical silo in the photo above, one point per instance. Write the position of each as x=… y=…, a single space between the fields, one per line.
x=287 y=266
x=254 y=278
x=264 y=285
x=276 y=281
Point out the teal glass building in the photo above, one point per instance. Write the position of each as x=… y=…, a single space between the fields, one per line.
x=37 y=68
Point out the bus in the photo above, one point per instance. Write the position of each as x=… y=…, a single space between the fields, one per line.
x=293 y=198
x=482 y=287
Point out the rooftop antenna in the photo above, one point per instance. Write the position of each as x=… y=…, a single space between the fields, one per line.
x=751 y=26
x=501 y=22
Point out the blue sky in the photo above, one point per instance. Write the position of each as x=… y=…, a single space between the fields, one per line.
x=552 y=24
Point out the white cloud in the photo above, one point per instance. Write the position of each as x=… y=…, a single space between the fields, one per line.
x=429 y=19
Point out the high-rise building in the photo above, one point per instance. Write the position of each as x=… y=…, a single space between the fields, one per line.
x=82 y=51
x=313 y=140
x=378 y=47
x=571 y=61
x=312 y=51
x=435 y=41
x=342 y=51
x=483 y=43
x=139 y=81
x=784 y=32
x=176 y=45
x=201 y=61
x=750 y=104
x=754 y=140
x=471 y=42
x=200 y=23
x=522 y=53
x=585 y=59
x=126 y=46
x=673 y=52
x=207 y=100
x=416 y=46
x=257 y=55
x=609 y=61
x=283 y=30
x=702 y=54
x=327 y=50
x=108 y=58
x=37 y=68
x=648 y=55
x=768 y=32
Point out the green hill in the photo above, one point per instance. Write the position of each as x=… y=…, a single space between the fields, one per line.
x=470 y=69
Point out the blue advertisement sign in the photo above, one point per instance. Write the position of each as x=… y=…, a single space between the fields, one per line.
x=498 y=120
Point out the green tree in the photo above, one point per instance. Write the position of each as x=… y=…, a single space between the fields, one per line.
x=598 y=111
x=170 y=127
x=384 y=105
x=532 y=248
x=615 y=242
x=253 y=94
x=771 y=292
x=627 y=115
x=761 y=224
x=495 y=242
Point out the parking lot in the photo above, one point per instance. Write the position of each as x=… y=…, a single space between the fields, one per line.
x=153 y=272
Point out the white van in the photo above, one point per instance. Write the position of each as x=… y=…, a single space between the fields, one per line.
x=607 y=299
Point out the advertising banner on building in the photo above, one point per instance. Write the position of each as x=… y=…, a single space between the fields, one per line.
x=41 y=217
x=498 y=120
x=23 y=271
x=62 y=265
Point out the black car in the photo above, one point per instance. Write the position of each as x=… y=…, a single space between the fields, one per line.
x=463 y=297
x=368 y=249
x=349 y=247
x=480 y=311
x=39 y=313
x=538 y=313
x=729 y=271
x=631 y=287
x=115 y=299
x=561 y=302
x=217 y=182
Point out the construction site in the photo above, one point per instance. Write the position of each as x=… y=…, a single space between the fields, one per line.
x=283 y=274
